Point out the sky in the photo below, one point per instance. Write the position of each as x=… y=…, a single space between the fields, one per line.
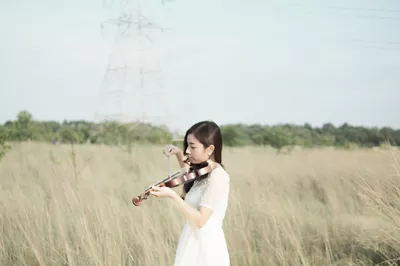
x=266 y=62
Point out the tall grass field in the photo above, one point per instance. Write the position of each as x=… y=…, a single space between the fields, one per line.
x=64 y=205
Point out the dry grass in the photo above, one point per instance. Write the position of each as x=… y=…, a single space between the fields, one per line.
x=315 y=207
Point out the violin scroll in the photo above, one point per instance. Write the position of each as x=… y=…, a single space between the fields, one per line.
x=137 y=201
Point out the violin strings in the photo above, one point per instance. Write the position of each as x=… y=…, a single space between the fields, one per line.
x=169 y=166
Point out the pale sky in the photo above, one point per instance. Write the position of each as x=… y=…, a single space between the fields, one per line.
x=257 y=61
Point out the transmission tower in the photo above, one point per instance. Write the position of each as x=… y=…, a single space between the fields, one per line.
x=132 y=87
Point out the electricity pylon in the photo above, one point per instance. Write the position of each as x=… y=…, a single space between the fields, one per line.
x=132 y=90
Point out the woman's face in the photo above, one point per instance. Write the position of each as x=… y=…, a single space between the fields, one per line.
x=196 y=151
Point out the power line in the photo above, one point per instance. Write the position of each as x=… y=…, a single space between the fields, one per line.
x=332 y=41
x=350 y=8
x=375 y=42
x=360 y=9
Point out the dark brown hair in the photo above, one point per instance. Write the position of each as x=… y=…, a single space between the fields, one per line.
x=207 y=133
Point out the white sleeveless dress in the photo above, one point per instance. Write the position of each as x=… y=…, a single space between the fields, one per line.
x=206 y=246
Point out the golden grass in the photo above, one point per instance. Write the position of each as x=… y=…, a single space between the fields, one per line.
x=313 y=207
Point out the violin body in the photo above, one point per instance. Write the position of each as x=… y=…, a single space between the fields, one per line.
x=177 y=178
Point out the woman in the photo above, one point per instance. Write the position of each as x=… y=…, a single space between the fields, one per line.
x=204 y=201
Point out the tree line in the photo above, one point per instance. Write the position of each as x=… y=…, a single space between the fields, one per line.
x=24 y=128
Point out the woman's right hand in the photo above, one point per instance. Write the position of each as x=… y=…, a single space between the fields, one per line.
x=172 y=150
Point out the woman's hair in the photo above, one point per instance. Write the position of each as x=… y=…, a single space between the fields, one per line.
x=208 y=133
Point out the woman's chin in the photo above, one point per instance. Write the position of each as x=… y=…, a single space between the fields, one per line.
x=192 y=161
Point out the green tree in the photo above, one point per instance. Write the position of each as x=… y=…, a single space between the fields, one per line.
x=278 y=137
x=22 y=129
x=230 y=135
x=4 y=147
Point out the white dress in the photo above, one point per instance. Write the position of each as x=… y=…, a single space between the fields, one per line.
x=206 y=246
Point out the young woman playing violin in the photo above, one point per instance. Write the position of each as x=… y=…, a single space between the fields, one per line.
x=204 y=200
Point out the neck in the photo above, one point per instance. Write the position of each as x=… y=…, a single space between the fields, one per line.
x=199 y=165
x=209 y=162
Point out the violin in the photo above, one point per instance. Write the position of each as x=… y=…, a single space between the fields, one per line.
x=175 y=179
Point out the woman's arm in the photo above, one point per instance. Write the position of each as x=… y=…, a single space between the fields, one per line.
x=196 y=217
x=212 y=196
x=215 y=192
x=181 y=160
x=173 y=150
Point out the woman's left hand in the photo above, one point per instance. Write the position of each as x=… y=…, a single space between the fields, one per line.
x=163 y=192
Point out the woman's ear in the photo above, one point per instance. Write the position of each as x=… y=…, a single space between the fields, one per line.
x=210 y=150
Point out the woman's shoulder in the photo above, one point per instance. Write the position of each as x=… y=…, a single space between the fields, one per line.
x=219 y=174
x=219 y=170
